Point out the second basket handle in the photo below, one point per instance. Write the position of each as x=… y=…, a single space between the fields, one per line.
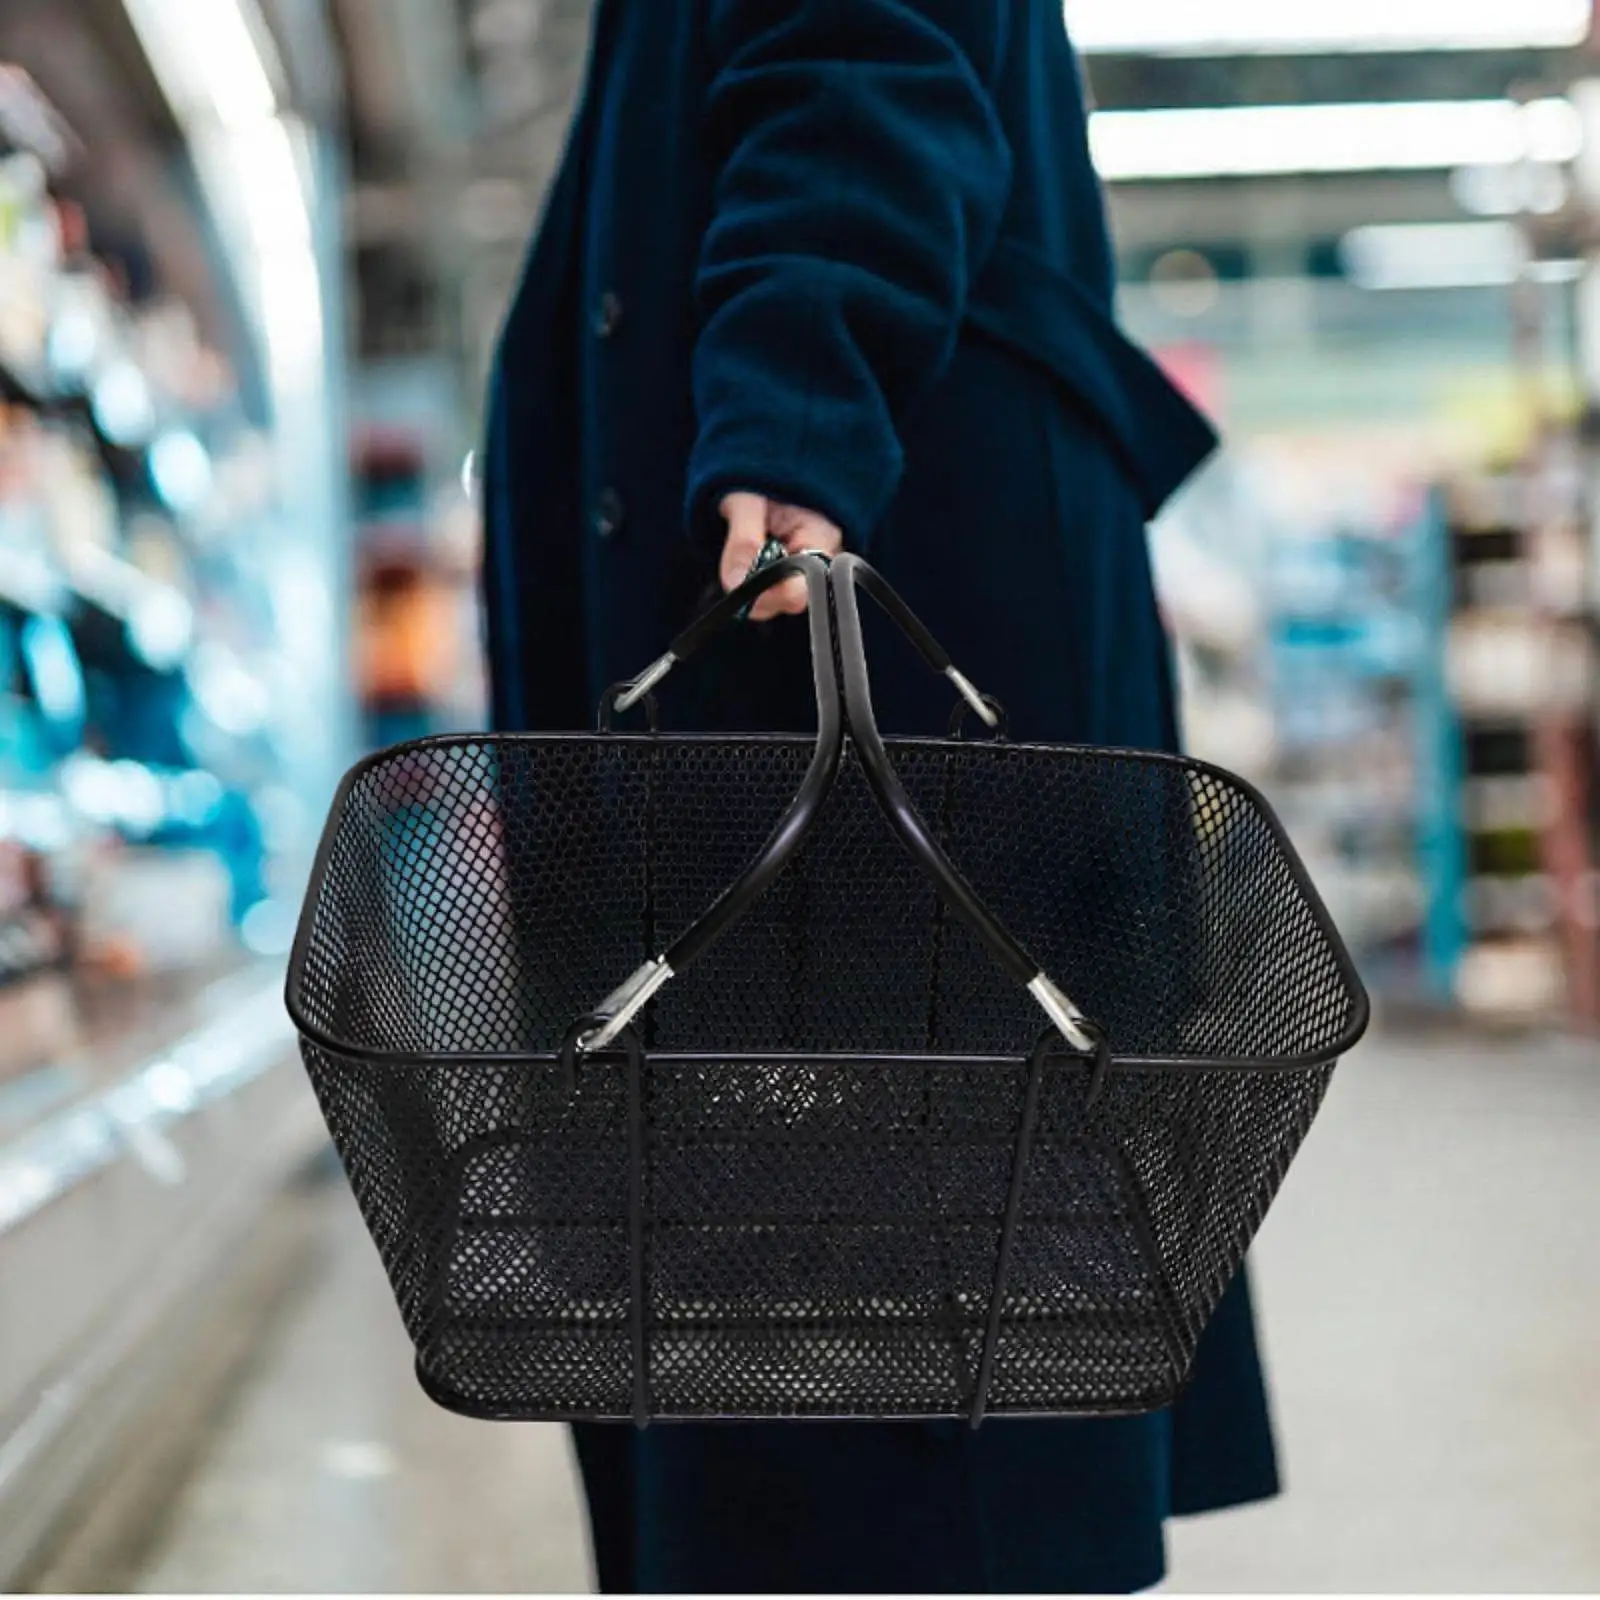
x=624 y=1003
x=847 y=575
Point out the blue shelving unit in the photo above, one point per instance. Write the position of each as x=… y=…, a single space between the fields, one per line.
x=1441 y=837
x=1370 y=753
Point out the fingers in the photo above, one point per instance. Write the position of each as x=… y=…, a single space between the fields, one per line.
x=805 y=530
x=752 y=519
x=800 y=530
x=788 y=599
x=746 y=516
x=749 y=518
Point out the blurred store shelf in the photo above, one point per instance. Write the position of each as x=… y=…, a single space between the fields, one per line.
x=330 y=1470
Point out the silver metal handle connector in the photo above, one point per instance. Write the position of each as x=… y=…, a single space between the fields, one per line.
x=1061 y=1011
x=646 y=681
x=624 y=1003
x=968 y=692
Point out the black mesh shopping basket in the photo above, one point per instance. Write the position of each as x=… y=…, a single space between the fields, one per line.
x=839 y=1147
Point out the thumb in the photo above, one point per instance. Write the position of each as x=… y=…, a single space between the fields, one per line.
x=746 y=516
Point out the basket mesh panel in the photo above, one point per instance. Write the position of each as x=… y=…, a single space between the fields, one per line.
x=820 y=1235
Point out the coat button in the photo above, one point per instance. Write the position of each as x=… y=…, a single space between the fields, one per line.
x=607 y=315
x=607 y=514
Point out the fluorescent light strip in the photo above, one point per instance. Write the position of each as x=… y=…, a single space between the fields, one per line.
x=216 y=65
x=1259 y=27
x=208 y=58
x=1383 y=136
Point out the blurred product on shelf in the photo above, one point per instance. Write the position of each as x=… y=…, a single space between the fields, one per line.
x=417 y=635
x=1211 y=602
x=404 y=630
x=1522 y=672
x=155 y=911
x=35 y=1001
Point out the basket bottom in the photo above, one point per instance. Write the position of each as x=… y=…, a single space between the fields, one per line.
x=798 y=1317
x=839 y=1374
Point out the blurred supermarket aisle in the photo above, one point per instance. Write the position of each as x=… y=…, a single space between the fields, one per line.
x=1430 y=1282
x=251 y=273
x=327 y=1469
x=1430 y=1291
x=331 y=1471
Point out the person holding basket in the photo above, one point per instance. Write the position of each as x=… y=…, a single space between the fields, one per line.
x=835 y=274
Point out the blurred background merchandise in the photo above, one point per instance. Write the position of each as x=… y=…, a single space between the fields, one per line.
x=253 y=257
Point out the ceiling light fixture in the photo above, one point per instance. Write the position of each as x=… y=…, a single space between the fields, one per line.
x=1262 y=27
x=1382 y=136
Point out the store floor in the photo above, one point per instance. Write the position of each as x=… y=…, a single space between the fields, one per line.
x=1431 y=1291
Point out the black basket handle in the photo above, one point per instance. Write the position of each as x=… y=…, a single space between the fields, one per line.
x=847 y=575
x=624 y=1003
x=734 y=606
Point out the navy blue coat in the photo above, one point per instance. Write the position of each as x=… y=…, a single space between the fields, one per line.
x=852 y=254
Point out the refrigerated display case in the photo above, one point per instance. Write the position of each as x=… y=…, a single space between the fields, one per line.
x=174 y=701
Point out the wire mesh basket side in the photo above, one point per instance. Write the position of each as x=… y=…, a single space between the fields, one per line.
x=456 y=876
x=497 y=1200
x=1210 y=1162
x=1160 y=892
x=1187 y=1161
x=477 y=896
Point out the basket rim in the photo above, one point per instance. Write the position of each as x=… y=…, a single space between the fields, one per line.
x=762 y=1060
x=1357 y=1020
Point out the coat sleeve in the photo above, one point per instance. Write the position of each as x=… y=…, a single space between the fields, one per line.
x=861 y=172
